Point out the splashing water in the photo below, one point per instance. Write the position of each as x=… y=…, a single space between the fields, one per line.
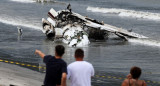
x=126 y=13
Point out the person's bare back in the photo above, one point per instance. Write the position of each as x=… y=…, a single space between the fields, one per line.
x=133 y=78
x=133 y=82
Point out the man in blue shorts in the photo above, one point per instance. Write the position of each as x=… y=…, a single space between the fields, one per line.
x=56 y=68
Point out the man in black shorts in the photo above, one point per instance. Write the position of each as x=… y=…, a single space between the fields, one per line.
x=56 y=68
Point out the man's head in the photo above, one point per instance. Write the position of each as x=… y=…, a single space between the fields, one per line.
x=79 y=53
x=135 y=72
x=59 y=50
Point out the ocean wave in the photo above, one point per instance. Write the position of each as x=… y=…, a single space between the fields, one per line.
x=126 y=13
x=24 y=1
x=148 y=42
x=20 y=22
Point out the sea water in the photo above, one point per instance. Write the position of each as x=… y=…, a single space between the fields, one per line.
x=112 y=57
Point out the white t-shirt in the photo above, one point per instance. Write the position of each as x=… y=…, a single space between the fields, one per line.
x=80 y=72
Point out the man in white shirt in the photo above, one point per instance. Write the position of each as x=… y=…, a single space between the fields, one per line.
x=80 y=72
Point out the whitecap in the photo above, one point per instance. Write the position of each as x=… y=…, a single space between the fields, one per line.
x=126 y=13
x=17 y=21
x=148 y=42
x=24 y=1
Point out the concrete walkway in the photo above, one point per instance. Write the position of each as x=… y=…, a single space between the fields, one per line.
x=18 y=76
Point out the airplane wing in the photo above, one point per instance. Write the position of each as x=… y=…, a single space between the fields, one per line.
x=73 y=26
x=94 y=23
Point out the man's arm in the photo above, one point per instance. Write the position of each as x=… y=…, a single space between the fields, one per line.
x=68 y=72
x=92 y=72
x=40 y=53
x=63 y=80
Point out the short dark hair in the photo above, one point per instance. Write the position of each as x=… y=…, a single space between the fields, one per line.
x=79 y=53
x=60 y=50
x=135 y=72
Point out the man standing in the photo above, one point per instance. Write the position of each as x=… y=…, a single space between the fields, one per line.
x=80 y=72
x=56 y=68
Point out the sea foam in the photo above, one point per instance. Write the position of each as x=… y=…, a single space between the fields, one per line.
x=19 y=22
x=148 y=42
x=126 y=13
x=24 y=1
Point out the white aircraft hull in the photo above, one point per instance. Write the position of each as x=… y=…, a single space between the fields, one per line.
x=76 y=30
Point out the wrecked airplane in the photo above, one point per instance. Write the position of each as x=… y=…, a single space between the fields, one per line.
x=76 y=30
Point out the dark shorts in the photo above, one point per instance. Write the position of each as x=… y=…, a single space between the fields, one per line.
x=57 y=83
